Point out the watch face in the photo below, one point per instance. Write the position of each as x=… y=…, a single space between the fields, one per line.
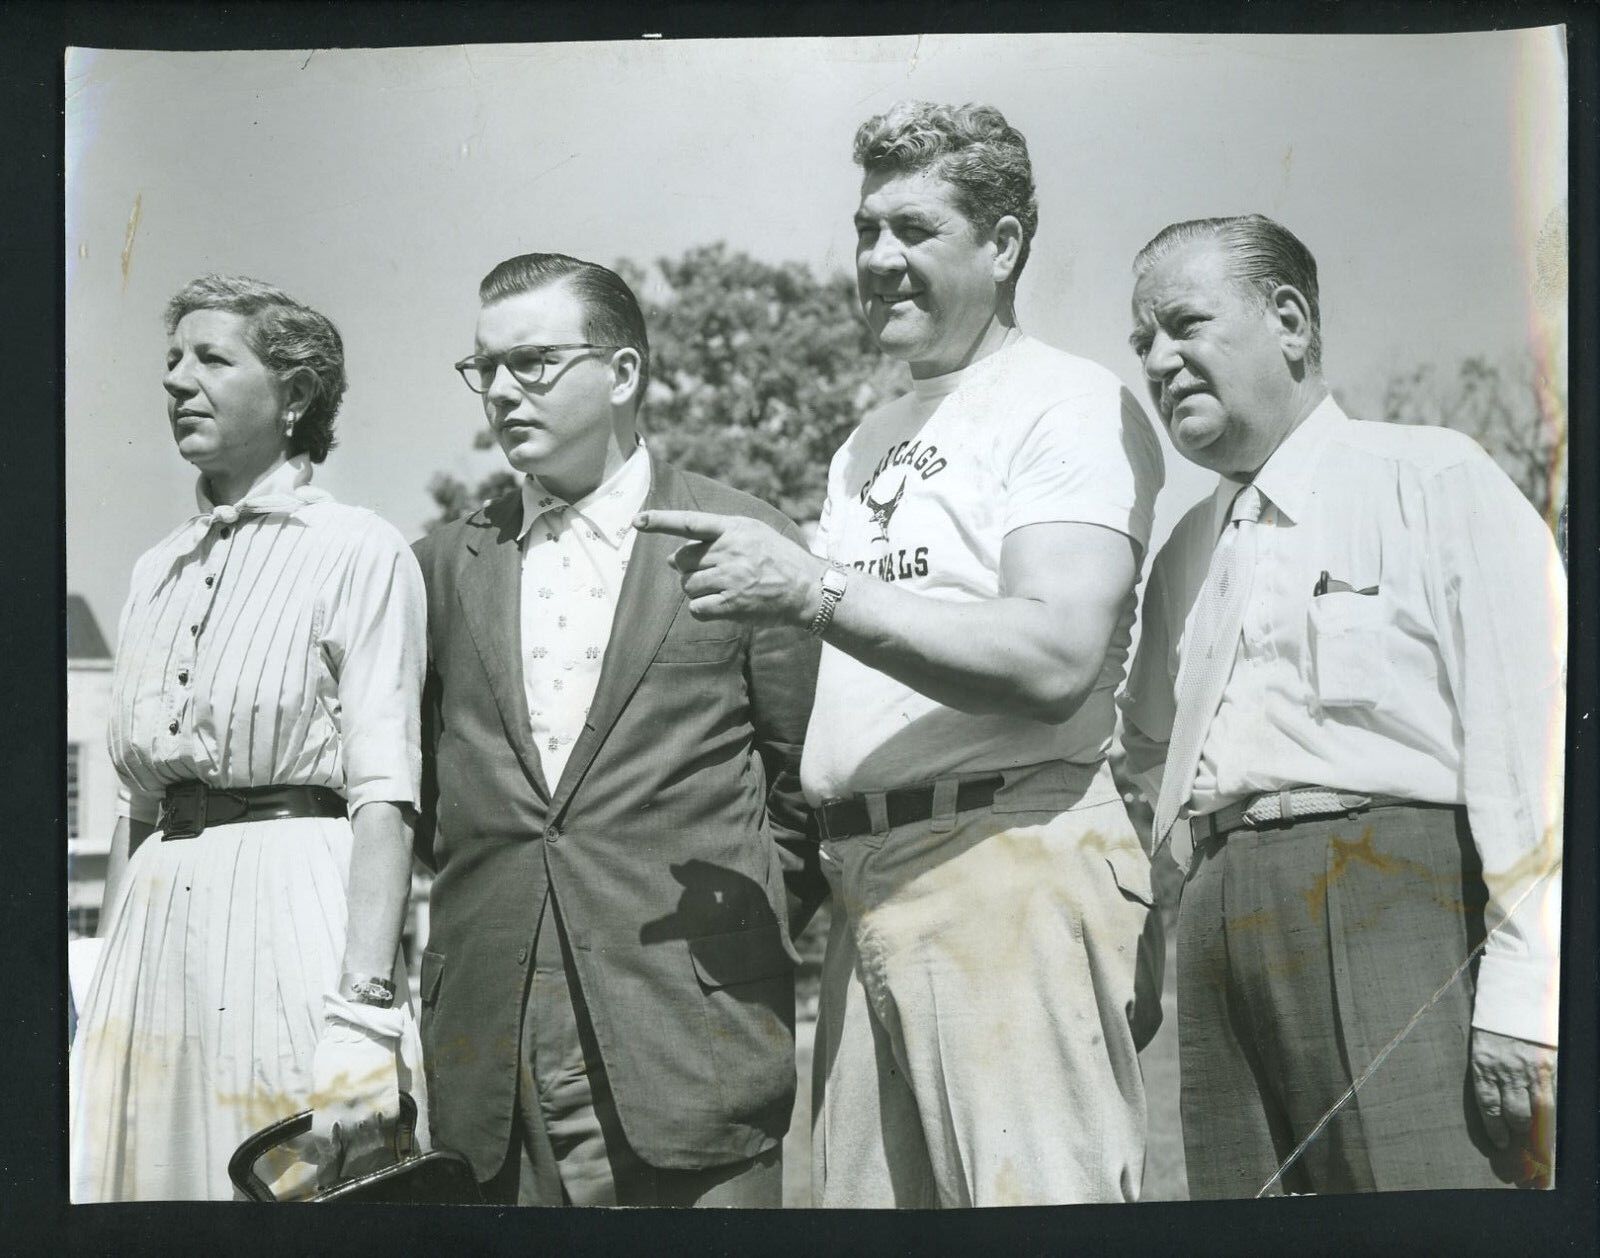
x=833 y=581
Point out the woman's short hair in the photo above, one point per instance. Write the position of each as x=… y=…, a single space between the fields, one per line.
x=288 y=337
x=971 y=147
x=1263 y=255
x=611 y=313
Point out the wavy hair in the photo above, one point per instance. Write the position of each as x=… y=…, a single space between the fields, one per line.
x=971 y=147
x=288 y=337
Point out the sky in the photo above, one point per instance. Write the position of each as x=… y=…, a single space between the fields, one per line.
x=380 y=185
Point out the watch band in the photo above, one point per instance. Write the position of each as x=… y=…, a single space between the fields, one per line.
x=833 y=587
x=368 y=989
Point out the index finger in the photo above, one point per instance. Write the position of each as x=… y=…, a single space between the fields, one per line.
x=700 y=526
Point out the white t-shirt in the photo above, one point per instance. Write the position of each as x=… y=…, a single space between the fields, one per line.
x=923 y=493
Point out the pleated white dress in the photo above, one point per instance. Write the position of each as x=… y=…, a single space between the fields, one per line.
x=279 y=642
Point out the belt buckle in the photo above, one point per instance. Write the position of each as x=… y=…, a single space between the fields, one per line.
x=183 y=811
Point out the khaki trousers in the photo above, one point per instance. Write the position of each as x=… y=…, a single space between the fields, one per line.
x=973 y=1041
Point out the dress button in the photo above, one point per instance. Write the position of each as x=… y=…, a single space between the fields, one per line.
x=210 y=581
x=194 y=630
x=227 y=532
x=183 y=677
x=173 y=728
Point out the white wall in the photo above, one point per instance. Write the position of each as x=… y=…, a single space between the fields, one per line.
x=88 y=709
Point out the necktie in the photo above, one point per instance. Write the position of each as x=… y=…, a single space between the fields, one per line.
x=1207 y=662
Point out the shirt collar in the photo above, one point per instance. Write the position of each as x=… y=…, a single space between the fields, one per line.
x=1287 y=479
x=610 y=508
x=929 y=388
x=286 y=487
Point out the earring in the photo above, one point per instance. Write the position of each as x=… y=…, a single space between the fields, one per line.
x=288 y=424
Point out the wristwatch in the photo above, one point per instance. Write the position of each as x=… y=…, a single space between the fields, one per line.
x=833 y=584
x=367 y=989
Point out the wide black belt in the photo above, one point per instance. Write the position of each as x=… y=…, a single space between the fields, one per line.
x=189 y=808
x=844 y=818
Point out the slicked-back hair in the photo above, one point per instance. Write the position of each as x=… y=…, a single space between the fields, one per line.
x=288 y=336
x=1262 y=256
x=611 y=314
x=971 y=147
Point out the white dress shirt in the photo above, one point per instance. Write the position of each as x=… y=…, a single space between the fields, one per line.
x=1437 y=675
x=279 y=641
x=574 y=557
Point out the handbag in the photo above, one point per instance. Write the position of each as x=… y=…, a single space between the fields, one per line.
x=438 y=1177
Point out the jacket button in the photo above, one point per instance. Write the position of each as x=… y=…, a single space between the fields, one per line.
x=553 y=834
x=522 y=956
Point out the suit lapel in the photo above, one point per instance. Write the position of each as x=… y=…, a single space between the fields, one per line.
x=646 y=605
x=490 y=591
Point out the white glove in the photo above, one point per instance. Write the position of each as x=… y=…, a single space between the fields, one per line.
x=355 y=1083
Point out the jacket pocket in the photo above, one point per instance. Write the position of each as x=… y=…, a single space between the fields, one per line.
x=742 y=956
x=1130 y=868
x=432 y=972
x=698 y=650
x=747 y=984
x=1347 y=632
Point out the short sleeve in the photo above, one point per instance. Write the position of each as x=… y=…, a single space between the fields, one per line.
x=822 y=535
x=1089 y=459
x=819 y=535
x=378 y=650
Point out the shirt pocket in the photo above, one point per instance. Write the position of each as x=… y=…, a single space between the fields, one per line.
x=1347 y=633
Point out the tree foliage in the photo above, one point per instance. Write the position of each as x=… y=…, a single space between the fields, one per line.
x=1512 y=410
x=759 y=372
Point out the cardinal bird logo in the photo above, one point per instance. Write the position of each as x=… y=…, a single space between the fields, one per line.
x=882 y=511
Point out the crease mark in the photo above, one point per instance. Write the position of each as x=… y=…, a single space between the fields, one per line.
x=127 y=239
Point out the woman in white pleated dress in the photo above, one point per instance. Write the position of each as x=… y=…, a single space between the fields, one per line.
x=268 y=676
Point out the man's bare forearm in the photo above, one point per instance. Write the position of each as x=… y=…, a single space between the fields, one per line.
x=1000 y=655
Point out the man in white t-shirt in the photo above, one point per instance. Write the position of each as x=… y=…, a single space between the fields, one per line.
x=973 y=580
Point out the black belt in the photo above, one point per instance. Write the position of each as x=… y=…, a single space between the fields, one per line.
x=189 y=808
x=846 y=817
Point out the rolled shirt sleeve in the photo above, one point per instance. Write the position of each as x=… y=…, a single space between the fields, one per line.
x=1498 y=592
x=377 y=646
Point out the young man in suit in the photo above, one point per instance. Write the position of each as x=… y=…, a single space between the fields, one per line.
x=611 y=797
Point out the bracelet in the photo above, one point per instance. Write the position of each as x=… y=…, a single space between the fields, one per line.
x=833 y=587
x=368 y=989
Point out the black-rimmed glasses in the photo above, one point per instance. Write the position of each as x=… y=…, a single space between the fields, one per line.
x=526 y=363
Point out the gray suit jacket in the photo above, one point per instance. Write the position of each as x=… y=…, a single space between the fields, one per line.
x=676 y=844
